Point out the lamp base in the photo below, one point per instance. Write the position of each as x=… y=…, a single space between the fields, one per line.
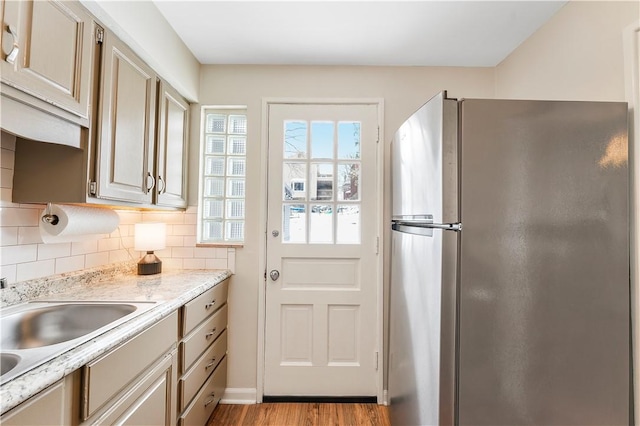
x=149 y=264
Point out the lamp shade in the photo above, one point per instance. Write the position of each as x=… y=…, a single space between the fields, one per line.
x=150 y=236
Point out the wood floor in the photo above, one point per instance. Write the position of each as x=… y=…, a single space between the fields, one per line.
x=308 y=414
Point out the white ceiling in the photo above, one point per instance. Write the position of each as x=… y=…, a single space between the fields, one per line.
x=410 y=33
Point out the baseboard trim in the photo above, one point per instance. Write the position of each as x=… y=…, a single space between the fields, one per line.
x=239 y=396
x=323 y=399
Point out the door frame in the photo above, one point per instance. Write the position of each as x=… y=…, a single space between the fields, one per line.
x=261 y=278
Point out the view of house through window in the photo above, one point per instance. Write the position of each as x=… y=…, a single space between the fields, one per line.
x=321 y=177
x=222 y=176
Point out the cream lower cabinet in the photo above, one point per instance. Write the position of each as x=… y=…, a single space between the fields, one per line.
x=203 y=361
x=134 y=383
x=57 y=404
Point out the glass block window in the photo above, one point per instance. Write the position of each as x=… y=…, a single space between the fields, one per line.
x=221 y=215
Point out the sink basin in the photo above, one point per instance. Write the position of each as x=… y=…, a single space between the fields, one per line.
x=8 y=362
x=49 y=325
x=34 y=333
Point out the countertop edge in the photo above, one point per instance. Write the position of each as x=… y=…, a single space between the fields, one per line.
x=23 y=387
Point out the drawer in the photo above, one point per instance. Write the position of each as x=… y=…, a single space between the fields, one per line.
x=194 y=312
x=109 y=374
x=207 y=399
x=199 y=339
x=193 y=379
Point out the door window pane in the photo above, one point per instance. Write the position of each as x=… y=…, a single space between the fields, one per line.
x=322 y=139
x=294 y=223
x=348 y=218
x=348 y=181
x=321 y=182
x=348 y=140
x=294 y=176
x=295 y=139
x=321 y=224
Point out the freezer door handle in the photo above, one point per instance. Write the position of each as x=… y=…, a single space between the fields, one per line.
x=400 y=225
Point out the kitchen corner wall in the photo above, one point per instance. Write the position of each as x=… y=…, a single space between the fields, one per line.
x=23 y=256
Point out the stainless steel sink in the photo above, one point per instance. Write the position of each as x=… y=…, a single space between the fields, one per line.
x=33 y=333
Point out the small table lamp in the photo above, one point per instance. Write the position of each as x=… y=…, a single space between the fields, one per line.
x=150 y=237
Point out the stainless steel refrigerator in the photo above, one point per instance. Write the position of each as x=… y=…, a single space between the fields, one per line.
x=509 y=293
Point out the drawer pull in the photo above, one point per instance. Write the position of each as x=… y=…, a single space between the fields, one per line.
x=211 y=333
x=209 y=305
x=211 y=364
x=213 y=398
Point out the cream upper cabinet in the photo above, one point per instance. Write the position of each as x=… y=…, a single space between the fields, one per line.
x=171 y=166
x=46 y=52
x=126 y=125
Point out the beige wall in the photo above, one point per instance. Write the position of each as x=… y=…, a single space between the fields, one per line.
x=585 y=52
x=143 y=28
x=403 y=90
x=577 y=55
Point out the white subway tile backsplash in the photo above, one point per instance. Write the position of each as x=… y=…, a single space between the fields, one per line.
x=231 y=260
x=216 y=264
x=7 y=158
x=204 y=252
x=128 y=217
x=175 y=241
x=108 y=244
x=29 y=235
x=119 y=256
x=69 y=264
x=190 y=219
x=8 y=272
x=194 y=263
x=11 y=216
x=183 y=230
x=84 y=247
x=96 y=259
x=172 y=264
x=32 y=270
x=221 y=253
x=189 y=241
x=18 y=254
x=6 y=178
x=8 y=236
x=5 y=198
x=51 y=251
x=182 y=252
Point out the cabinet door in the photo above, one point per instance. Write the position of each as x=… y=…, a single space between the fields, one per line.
x=127 y=123
x=46 y=51
x=171 y=171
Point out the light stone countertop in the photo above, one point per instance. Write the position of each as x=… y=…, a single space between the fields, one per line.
x=170 y=290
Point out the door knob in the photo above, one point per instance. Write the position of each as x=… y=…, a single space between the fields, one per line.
x=274 y=274
x=275 y=232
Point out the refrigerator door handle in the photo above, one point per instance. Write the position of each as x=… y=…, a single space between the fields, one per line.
x=427 y=225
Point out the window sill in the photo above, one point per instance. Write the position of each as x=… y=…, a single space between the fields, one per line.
x=221 y=245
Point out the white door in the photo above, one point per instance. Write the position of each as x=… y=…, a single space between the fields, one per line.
x=321 y=333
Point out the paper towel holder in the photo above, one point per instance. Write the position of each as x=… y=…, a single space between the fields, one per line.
x=48 y=217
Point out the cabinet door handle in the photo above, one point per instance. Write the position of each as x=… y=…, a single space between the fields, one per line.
x=153 y=183
x=211 y=364
x=163 y=189
x=211 y=333
x=209 y=305
x=15 y=49
x=213 y=398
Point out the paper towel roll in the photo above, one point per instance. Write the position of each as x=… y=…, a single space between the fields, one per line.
x=77 y=223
